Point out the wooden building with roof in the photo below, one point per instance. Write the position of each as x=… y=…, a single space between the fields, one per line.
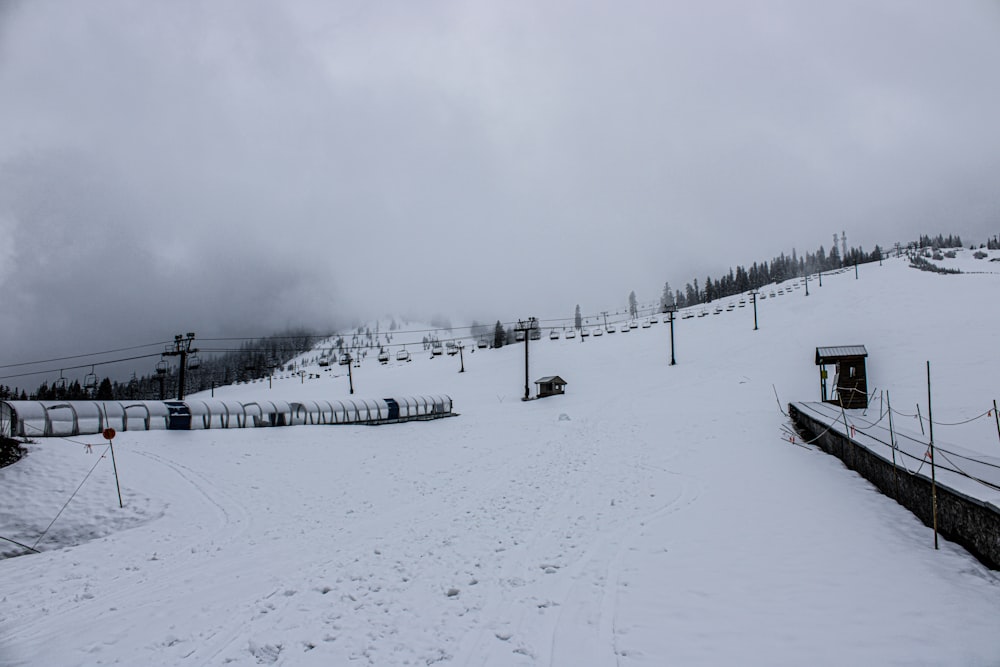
x=551 y=385
x=850 y=384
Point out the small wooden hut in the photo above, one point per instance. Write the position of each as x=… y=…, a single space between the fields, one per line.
x=551 y=385
x=850 y=382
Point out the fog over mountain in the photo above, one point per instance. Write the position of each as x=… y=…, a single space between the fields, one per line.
x=235 y=168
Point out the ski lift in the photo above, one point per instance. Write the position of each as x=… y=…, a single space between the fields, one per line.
x=571 y=334
x=624 y=328
x=403 y=355
x=452 y=351
x=584 y=333
x=553 y=335
x=194 y=362
x=519 y=336
x=383 y=357
x=60 y=384
x=597 y=332
x=437 y=349
x=90 y=380
x=161 y=367
x=345 y=359
x=633 y=325
x=482 y=344
x=646 y=324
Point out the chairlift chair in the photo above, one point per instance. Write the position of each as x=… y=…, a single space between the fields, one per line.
x=194 y=362
x=571 y=334
x=402 y=355
x=161 y=368
x=553 y=335
x=598 y=332
x=90 y=380
x=383 y=357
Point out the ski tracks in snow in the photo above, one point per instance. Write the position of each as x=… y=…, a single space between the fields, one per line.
x=562 y=610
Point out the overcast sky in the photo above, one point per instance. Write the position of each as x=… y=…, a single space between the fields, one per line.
x=237 y=167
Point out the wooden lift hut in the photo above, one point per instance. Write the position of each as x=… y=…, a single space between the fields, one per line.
x=551 y=385
x=850 y=383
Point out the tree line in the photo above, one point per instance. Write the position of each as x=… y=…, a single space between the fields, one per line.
x=780 y=268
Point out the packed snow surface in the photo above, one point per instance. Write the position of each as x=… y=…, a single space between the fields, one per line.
x=654 y=515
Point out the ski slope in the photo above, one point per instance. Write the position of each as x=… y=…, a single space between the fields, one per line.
x=654 y=515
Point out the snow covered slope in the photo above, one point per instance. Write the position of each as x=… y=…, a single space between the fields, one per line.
x=653 y=515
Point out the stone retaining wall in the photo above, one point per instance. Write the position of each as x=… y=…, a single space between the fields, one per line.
x=962 y=519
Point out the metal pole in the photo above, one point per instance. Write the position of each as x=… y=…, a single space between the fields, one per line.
x=114 y=465
x=753 y=297
x=996 y=416
x=350 y=375
x=820 y=278
x=527 y=336
x=180 y=375
x=461 y=358
x=892 y=443
x=855 y=270
x=807 y=285
x=930 y=425
x=673 y=361
x=921 y=420
x=847 y=427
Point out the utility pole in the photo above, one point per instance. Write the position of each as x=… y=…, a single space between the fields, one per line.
x=807 y=284
x=753 y=297
x=820 y=278
x=182 y=348
x=527 y=327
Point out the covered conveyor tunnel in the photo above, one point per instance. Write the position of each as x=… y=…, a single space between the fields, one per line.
x=39 y=419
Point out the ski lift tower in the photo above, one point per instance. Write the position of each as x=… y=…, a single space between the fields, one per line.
x=182 y=348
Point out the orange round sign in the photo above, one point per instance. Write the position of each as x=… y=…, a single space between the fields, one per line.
x=108 y=433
